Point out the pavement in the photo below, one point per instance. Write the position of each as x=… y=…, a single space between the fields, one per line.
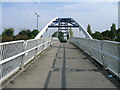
x=62 y=66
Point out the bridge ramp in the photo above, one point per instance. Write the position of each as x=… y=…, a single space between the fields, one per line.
x=62 y=66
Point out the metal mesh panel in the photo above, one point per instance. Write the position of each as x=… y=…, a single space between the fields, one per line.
x=16 y=54
x=111 y=62
x=107 y=53
x=0 y=71
x=30 y=55
x=119 y=59
x=30 y=44
x=110 y=52
x=11 y=49
x=39 y=50
x=40 y=41
x=10 y=66
x=95 y=50
x=110 y=47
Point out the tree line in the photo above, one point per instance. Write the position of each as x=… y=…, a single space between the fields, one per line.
x=60 y=35
x=113 y=34
x=9 y=35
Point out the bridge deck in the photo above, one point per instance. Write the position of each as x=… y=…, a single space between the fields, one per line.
x=61 y=66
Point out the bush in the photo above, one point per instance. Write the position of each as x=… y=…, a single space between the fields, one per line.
x=7 y=38
x=21 y=37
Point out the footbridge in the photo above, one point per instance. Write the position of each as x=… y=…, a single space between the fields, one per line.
x=44 y=62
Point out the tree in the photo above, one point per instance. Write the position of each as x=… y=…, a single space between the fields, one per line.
x=54 y=34
x=8 y=32
x=118 y=31
x=7 y=38
x=97 y=35
x=35 y=32
x=20 y=37
x=27 y=33
x=71 y=33
x=60 y=36
x=118 y=35
x=113 y=31
x=0 y=38
x=106 y=35
x=89 y=29
x=23 y=33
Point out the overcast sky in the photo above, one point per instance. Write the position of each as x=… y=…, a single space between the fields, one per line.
x=21 y=15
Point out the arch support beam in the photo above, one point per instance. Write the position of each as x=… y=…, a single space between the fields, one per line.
x=44 y=29
x=63 y=24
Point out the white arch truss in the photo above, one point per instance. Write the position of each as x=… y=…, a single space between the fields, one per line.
x=55 y=23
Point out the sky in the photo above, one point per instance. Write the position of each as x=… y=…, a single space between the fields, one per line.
x=21 y=15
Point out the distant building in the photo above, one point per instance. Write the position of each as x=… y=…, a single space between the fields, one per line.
x=119 y=14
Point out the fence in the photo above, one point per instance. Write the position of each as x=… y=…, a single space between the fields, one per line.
x=16 y=54
x=107 y=53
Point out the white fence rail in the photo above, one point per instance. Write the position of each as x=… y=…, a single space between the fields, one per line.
x=107 y=53
x=14 y=55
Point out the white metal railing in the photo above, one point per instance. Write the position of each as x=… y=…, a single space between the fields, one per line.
x=107 y=53
x=16 y=54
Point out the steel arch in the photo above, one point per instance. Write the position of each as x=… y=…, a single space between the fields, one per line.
x=55 y=23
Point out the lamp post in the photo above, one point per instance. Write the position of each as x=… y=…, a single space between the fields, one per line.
x=37 y=19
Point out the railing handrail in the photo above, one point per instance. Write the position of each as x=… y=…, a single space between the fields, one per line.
x=28 y=50
x=11 y=42
x=98 y=40
x=107 y=53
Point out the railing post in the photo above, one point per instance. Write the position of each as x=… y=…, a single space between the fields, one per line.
x=36 y=49
x=47 y=42
x=51 y=40
x=0 y=69
x=102 y=54
x=90 y=50
x=23 y=56
x=43 y=45
x=0 y=64
x=103 y=57
x=118 y=60
x=104 y=62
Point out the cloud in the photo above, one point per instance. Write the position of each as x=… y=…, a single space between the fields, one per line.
x=99 y=15
x=0 y=17
x=59 y=0
x=21 y=15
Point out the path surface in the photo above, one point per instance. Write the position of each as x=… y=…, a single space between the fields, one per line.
x=62 y=66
